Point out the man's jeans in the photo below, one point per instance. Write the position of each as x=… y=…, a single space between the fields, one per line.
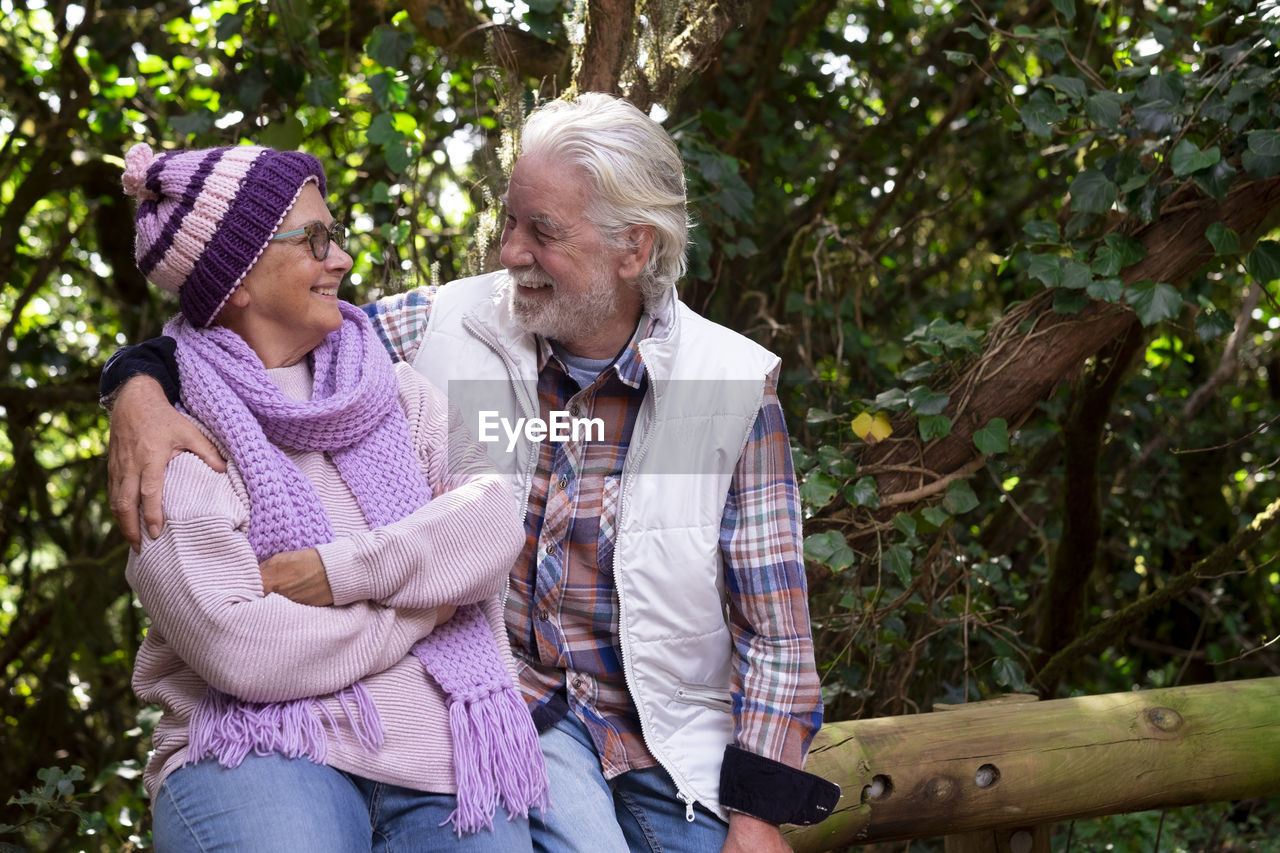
x=637 y=811
x=281 y=805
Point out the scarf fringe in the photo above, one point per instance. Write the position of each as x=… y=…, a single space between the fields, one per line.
x=496 y=757
x=496 y=754
x=228 y=729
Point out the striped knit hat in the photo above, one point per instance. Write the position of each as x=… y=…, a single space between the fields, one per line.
x=204 y=217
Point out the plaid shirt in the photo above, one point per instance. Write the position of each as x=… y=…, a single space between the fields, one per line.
x=562 y=612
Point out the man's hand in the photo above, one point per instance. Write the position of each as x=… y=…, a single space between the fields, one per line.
x=749 y=834
x=298 y=576
x=146 y=432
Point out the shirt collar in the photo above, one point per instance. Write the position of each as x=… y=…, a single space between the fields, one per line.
x=629 y=365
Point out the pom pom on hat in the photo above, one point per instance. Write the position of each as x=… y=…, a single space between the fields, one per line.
x=204 y=217
x=136 y=163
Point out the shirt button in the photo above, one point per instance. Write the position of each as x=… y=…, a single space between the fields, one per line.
x=575 y=410
x=563 y=484
x=544 y=616
x=549 y=550
x=577 y=683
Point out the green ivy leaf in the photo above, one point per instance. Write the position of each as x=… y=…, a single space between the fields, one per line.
x=399 y=158
x=863 y=493
x=1165 y=88
x=1066 y=8
x=1009 y=673
x=1188 y=158
x=229 y=25
x=959 y=57
x=905 y=524
x=1223 y=239
x=1157 y=118
x=835 y=462
x=1041 y=231
x=994 y=437
x=819 y=489
x=925 y=401
x=934 y=426
x=1258 y=165
x=897 y=559
x=1073 y=87
x=1092 y=192
x=1103 y=109
x=320 y=91
x=894 y=399
x=382 y=131
x=1047 y=268
x=960 y=497
x=1107 y=289
x=1075 y=275
x=1116 y=253
x=1040 y=113
x=1154 y=302
x=1265 y=143
x=1216 y=180
x=830 y=549
x=1263 y=262
x=1212 y=323
x=935 y=515
x=388 y=46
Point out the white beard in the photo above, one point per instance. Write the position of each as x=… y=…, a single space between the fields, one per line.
x=563 y=318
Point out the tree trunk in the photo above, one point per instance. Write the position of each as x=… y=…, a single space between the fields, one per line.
x=1061 y=602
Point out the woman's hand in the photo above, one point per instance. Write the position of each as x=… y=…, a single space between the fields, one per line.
x=298 y=576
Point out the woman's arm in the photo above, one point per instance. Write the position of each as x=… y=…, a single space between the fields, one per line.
x=200 y=584
x=455 y=550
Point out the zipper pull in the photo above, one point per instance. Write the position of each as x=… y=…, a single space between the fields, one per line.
x=688 y=805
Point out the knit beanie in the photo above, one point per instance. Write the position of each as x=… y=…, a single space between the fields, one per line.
x=204 y=217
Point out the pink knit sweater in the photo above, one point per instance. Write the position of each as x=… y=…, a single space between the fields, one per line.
x=210 y=624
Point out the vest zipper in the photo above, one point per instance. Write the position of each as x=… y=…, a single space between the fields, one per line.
x=624 y=488
x=524 y=404
x=688 y=804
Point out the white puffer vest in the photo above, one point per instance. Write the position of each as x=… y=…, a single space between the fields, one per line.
x=705 y=388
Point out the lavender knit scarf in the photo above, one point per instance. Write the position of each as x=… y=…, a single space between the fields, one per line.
x=354 y=415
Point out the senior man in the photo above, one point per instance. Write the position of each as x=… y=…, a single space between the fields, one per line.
x=658 y=611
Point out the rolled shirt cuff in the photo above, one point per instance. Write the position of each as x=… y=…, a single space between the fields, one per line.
x=772 y=791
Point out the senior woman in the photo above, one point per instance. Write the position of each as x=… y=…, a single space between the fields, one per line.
x=370 y=723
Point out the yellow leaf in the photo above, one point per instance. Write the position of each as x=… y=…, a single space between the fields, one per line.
x=871 y=428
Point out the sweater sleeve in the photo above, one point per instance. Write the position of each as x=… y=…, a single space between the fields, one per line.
x=456 y=549
x=200 y=584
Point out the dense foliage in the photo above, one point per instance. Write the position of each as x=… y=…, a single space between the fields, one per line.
x=1017 y=257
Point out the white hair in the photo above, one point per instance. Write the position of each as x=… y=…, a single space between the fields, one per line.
x=635 y=175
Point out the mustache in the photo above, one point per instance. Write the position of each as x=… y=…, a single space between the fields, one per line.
x=528 y=277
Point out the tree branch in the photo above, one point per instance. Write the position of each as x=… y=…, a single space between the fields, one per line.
x=1216 y=563
x=1020 y=367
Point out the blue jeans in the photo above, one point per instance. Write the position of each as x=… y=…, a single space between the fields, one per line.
x=278 y=804
x=638 y=811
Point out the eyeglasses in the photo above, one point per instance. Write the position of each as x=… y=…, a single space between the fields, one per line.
x=319 y=237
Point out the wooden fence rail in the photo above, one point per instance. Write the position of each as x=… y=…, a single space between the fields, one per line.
x=1001 y=765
